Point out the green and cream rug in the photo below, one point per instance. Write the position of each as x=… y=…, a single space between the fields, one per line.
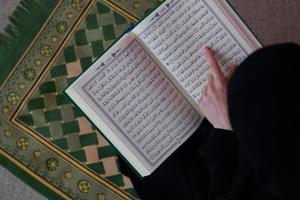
x=44 y=139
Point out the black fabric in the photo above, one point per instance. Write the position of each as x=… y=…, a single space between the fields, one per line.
x=219 y=151
x=183 y=175
x=264 y=110
x=260 y=160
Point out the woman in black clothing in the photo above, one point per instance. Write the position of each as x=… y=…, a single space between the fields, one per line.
x=253 y=150
x=263 y=108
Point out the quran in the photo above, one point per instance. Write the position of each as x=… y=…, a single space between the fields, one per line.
x=143 y=93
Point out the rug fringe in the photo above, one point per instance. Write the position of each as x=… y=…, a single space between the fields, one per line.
x=23 y=25
x=18 y=21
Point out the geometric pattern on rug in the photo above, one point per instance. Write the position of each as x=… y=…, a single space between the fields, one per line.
x=55 y=117
x=49 y=111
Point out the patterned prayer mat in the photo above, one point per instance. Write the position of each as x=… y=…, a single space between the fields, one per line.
x=44 y=139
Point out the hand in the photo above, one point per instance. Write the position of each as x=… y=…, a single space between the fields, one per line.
x=213 y=102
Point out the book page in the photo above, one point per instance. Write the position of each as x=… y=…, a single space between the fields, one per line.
x=127 y=89
x=179 y=29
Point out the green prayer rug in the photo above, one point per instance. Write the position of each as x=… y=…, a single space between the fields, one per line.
x=45 y=139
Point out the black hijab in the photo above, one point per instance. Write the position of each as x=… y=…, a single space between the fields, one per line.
x=264 y=112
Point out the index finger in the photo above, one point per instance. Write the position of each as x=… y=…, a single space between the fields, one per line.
x=213 y=64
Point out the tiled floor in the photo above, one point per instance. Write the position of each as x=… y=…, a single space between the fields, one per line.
x=273 y=21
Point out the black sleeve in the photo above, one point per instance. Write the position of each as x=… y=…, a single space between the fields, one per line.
x=182 y=176
x=264 y=111
x=220 y=151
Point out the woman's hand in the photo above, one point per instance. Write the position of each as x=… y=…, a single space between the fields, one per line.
x=213 y=102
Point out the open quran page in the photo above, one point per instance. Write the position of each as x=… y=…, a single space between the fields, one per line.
x=134 y=104
x=176 y=32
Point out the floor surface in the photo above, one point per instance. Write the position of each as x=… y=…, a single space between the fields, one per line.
x=273 y=21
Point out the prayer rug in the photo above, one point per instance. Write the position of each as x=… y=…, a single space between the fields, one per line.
x=45 y=139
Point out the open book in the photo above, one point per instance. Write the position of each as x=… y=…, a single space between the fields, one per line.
x=143 y=93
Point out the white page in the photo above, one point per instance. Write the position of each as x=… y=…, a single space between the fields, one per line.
x=179 y=29
x=138 y=103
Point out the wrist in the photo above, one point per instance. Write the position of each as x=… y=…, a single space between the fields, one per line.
x=225 y=125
